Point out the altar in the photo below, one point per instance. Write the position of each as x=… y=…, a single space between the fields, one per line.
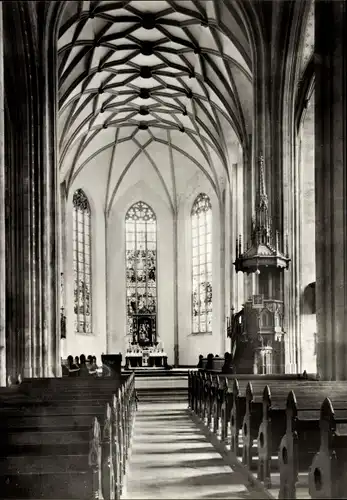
x=145 y=349
x=151 y=357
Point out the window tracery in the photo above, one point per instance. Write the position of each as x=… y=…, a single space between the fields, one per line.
x=141 y=266
x=201 y=219
x=82 y=262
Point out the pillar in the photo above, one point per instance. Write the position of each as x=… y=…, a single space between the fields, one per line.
x=331 y=187
x=32 y=190
x=51 y=207
x=176 y=337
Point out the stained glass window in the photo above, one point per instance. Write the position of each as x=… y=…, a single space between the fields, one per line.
x=82 y=262
x=201 y=217
x=141 y=270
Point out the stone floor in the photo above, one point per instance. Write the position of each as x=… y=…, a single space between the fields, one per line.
x=171 y=459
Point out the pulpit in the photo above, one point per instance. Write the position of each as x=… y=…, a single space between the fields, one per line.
x=264 y=255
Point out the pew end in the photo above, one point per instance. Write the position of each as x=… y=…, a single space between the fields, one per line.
x=108 y=482
x=235 y=420
x=247 y=434
x=224 y=409
x=264 y=440
x=288 y=451
x=327 y=474
x=94 y=459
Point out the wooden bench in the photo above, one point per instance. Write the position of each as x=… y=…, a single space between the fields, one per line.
x=53 y=426
x=281 y=428
x=32 y=475
x=277 y=418
x=217 y=363
x=327 y=475
x=238 y=401
x=224 y=398
x=249 y=407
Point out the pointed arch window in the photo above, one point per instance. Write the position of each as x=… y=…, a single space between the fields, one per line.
x=82 y=262
x=201 y=219
x=141 y=273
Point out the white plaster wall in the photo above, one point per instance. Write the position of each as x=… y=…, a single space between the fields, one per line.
x=76 y=343
x=191 y=345
x=140 y=184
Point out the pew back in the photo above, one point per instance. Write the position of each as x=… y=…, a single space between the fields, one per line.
x=284 y=417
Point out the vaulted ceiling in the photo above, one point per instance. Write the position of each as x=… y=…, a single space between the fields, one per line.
x=136 y=77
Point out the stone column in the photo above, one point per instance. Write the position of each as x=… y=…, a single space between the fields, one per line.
x=33 y=288
x=176 y=339
x=17 y=193
x=222 y=212
x=2 y=221
x=63 y=251
x=331 y=188
x=228 y=277
x=51 y=208
x=107 y=286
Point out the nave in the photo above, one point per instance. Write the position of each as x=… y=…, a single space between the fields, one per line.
x=190 y=434
x=171 y=458
x=109 y=439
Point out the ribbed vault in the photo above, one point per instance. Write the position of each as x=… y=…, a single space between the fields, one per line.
x=138 y=77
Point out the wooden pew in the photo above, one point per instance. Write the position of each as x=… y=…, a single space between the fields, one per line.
x=217 y=363
x=276 y=420
x=301 y=440
x=276 y=415
x=52 y=476
x=207 y=391
x=52 y=438
x=124 y=407
x=233 y=402
x=327 y=475
x=58 y=412
x=199 y=391
x=242 y=380
x=248 y=406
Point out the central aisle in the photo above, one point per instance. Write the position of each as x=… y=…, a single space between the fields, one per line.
x=171 y=458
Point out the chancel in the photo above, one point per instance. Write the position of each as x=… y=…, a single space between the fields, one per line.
x=146 y=356
x=173 y=239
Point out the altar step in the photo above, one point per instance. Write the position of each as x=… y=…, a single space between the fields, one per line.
x=157 y=395
x=172 y=389
x=155 y=372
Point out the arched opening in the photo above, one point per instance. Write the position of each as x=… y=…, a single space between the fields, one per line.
x=82 y=263
x=141 y=274
x=201 y=218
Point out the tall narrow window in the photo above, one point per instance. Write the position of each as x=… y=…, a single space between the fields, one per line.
x=82 y=262
x=201 y=217
x=141 y=273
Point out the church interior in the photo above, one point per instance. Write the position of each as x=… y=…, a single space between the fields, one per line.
x=173 y=226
